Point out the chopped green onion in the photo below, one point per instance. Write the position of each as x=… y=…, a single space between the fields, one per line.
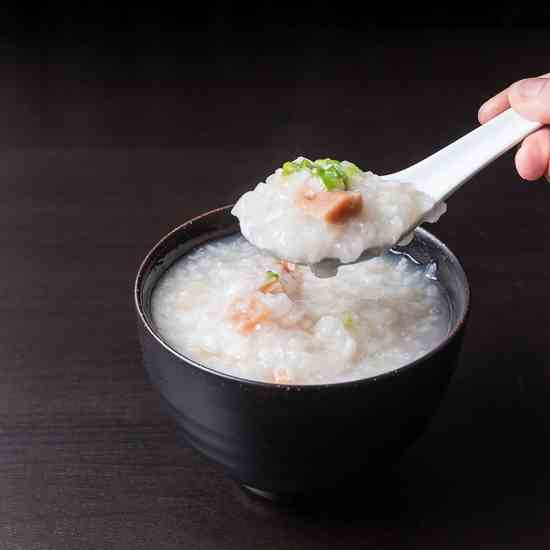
x=317 y=171
x=332 y=179
x=350 y=169
x=333 y=173
x=347 y=319
x=342 y=173
x=296 y=166
x=271 y=275
x=289 y=168
x=340 y=169
x=325 y=163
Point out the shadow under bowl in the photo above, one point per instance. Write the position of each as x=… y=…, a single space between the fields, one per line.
x=285 y=440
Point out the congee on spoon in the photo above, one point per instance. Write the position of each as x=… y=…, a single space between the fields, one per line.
x=308 y=211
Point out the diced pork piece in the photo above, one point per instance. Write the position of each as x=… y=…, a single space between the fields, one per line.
x=331 y=206
x=288 y=267
x=273 y=286
x=281 y=375
x=248 y=314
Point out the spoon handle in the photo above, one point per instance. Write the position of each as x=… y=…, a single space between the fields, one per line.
x=442 y=173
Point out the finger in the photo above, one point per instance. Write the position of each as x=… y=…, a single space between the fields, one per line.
x=493 y=107
x=497 y=104
x=533 y=157
x=531 y=98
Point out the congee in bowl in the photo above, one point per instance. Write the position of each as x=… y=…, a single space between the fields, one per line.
x=238 y=310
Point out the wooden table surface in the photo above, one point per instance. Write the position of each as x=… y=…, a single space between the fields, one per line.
x=103 y=151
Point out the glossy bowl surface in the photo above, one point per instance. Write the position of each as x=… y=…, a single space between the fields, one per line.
x=296 y=439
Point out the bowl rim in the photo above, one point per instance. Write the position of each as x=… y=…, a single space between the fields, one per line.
x=292 y=387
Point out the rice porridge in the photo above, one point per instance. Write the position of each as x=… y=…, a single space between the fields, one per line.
x=309 y=211
x=238 y=310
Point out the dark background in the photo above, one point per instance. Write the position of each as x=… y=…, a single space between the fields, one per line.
x=116 y=127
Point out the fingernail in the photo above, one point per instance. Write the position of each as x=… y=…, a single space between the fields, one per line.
x=531 y=87
x=482 y=111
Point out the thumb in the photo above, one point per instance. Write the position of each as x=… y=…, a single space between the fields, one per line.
x=531 y=98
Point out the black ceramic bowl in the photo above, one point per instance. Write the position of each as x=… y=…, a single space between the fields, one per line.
x=289 y=440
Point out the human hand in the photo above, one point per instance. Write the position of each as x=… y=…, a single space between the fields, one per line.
x=531 y=99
